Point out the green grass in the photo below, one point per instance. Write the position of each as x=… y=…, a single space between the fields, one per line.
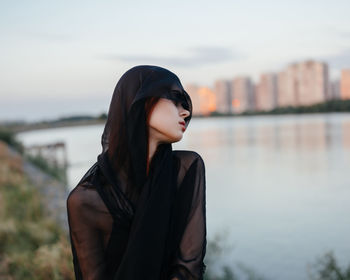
x=327 y=268
x=9 y=138
x=32 y=246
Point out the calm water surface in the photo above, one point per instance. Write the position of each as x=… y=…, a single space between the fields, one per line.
x=278 y=185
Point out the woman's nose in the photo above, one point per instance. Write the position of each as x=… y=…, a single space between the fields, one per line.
x=185 y=113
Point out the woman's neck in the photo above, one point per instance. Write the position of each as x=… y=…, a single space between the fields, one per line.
x=152 y=147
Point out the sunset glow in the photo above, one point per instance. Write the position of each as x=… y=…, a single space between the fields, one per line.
x=235 y=103
x=207 y=100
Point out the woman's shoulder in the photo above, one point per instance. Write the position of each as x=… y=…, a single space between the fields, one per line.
x=187 y=154
x=187 y=158
x=84 y=195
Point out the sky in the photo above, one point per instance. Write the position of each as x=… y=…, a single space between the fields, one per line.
x=63 y=58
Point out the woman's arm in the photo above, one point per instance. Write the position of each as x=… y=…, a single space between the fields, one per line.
x=188 y=263
x=86 y=233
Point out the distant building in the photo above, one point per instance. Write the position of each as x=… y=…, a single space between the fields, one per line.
x=345 y=84
x=192 y=90
x=222 y=90
x=312 y=82
x=334 y=90
x=303 y=83
x=207 y=100
x=242 y=95
x=203 y=99
x=287 y=89
x=266 y=92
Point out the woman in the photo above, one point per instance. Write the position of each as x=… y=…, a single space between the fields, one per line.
x=139 y=212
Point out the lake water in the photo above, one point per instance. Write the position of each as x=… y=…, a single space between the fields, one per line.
x=278 y=185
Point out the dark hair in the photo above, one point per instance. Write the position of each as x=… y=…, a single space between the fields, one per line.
x=149 y=106
x=118 y=140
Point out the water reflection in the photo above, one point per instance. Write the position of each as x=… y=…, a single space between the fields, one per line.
x=346 y=134
x=305 y=140
x=278 y=183
x=301 y=134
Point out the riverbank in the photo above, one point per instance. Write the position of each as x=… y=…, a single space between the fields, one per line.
x=22 y=127
x=34 y=240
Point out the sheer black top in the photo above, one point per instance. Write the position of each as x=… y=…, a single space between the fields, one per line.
x=99 y=230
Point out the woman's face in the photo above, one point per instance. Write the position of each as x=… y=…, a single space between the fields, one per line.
x=166 y=122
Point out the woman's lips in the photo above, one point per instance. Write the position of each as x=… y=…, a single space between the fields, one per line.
x=183 y=125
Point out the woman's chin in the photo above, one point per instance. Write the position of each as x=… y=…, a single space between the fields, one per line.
x=175 y=139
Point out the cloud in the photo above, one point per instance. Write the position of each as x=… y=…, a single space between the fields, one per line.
x=197 y=56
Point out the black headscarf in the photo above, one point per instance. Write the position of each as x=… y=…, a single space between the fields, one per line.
x=126 y=120
x=152 y=219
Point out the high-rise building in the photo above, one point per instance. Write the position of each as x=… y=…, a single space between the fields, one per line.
x=334 y=90
x=345 y=84
x=312 y=82
x=207 y=100
x=281 y=89
x=266 y=92
x=287 y=86
x=303 y=83
x=242 y=95
x=222 y=90
x=203 y=99
x=192 y=90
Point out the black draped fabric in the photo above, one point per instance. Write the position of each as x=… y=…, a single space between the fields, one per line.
x=127 y=223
